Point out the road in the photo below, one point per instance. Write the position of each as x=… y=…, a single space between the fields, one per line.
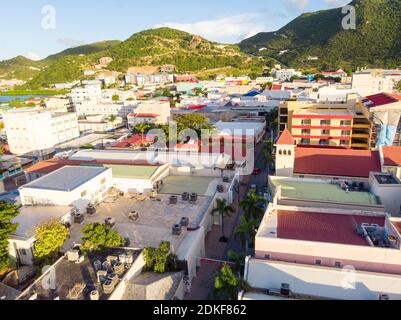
x=203 y=284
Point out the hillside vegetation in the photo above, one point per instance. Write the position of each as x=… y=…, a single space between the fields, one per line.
x=155 y=47
x=376 y=41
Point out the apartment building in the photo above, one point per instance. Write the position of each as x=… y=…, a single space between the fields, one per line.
x=90 y=91
x=156 y=112
x=144 y=79
x=345 y=125
x=304 y=253
x=37 y=131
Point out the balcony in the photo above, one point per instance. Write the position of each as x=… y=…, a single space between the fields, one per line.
x=361 y=126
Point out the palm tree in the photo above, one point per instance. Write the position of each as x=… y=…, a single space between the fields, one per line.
x=252 y=208
x=142 y=128
x=237 y=260
x=224 y=210
x=244 y=231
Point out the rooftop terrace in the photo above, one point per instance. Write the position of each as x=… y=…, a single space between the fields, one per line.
x=323 y=192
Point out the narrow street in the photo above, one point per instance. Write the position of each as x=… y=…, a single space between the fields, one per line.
x=203 y=284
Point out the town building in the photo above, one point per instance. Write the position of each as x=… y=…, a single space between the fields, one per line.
x=37 y=131
x=345 y=125
x=326 y=253
x=286 y=74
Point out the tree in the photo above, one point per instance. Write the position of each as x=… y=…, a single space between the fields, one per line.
x=227 y=284
x=237 y=261
x=160 y=260
x=251 y=206
x=112 y=118
x=267 y=151
x=142 y=128
x=7 y=213
x=399 y=86
x=49 y=236
x=224 y=210
x=98 y=237
x=115 y=97
x=245 y=231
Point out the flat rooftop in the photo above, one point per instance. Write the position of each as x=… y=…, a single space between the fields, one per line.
x=83 y=140
x=156 y=219
x=31 y=217
x=69 y=275
x=177 y=185
x=318 y=226
x=132 y=171
x=323 y=192
x=66 y=178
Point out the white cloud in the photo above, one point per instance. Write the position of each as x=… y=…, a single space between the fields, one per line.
x=225 y=29
x=32 y=56
x=69 y=42
x=296 y=5
x=337 y=3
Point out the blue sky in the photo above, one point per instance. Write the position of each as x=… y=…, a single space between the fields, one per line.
x=84 y=21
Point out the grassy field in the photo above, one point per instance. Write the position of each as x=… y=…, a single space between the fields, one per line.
x=33 y=92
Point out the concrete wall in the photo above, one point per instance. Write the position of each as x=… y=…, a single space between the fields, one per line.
x=322 y=282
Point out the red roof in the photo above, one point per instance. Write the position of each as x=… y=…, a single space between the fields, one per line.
x=336 y=162
x=48 y=166
x=276 y=87
x=392 y=156
x=286 y=138
x=135 y=140
x=382 y=99
x=143 y=115
x=323 y=227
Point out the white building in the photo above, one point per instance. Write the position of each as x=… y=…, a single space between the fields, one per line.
x=99 y=123
x=286 y=74
x=370 y=82
x=120 y=109
x=90 y=91
x=75 y=186
x=34 y=130
x=241 y=128
x=156 y=112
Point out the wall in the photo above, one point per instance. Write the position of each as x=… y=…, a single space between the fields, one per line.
x=135 y=270
x=322 y=282
x=361 y=257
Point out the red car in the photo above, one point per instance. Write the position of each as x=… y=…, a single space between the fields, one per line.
x=257 y=172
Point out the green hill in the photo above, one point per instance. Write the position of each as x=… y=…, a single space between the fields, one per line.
x=155 y=47
x=376 y=41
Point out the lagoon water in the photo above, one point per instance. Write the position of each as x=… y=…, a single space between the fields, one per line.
x=4 y=99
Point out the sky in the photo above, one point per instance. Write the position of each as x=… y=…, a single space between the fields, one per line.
x=38 y=28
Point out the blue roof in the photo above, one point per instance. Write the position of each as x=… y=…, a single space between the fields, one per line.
x=252 y=93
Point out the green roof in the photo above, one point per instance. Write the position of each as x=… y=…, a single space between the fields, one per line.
x=323 y=192
x=132 y=172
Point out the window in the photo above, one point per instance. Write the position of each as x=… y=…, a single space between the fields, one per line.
x=325 y=122
x=337 y=264
x=324 y=142
x=306 y=122
x=344 y=142
x=103 y=181
x=280 y=152
x=289 y=152
x=305 y=131
x=318 y=262
x=345 y=123
x=22 y=252
x=285 y=152
x=345 y=133
x=305 y=141
x=325 y=132
x=84 y=193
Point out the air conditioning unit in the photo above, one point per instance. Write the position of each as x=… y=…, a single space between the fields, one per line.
x=177 y=230
x=185 y=196
x=194 y=197
x=226 y=179
x=285 y=289
x=184 y=221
